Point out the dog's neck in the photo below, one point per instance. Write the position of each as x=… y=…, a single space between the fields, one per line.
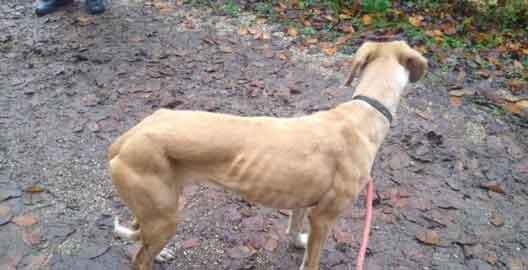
x=384 y=80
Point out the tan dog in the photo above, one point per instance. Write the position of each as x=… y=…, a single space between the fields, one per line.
x=316 y=163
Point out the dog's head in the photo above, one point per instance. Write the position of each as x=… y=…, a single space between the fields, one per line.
x=412 y=60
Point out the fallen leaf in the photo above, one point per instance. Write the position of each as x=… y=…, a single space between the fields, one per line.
x=517 y=85
x=34 y=189
x=32 y=238
x=5 y=214
x=496 y=219
x=366 y=19
x=261 y=20
x=271 y=244
x=285 y=212
x=491 y=257
x=136 y=39
x=455 y=101
x=190 y=243
x=518 y=65
x=516 y=264
x=226 y=49
x=283 y=56
x=493 y=186
x=243 y=31
x=239 y=252
x=25 y=220
x=311 y=41
x=434 y=33
x=416 y=20
x=330 y=50
x=484 y=73
x=266 y=36
x=292 y=31
x=460 y=93
x=428 y=237
x=85 y=20
x=348 y=28
x=343 y=237
x=252 y=30
x=342 y=40
x=37 y=261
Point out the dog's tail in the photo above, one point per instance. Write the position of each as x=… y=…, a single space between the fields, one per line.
x=125 y=232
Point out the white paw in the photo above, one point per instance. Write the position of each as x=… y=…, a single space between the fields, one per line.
x=300 y=240
x=165 y=255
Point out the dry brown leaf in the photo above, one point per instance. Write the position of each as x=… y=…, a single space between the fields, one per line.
x=348 y=28
x=518 y=107
x=496 y=219
x=25 y=220
x=434 y=33
x=32 y=238
x=261 y=21
x=292 y=31
x=455 y=101
x=34 y=189
x=493 y=186
x=311 y=41
x=136 y=39
x=461 y=93
x=416 y=20
x=366 y=20
x=266 y=36
x=283 y=56
x=428 y=237
x=516 y=264
x=85 y=20
x=271 y=244
x=330 y=50
x=190 y=243
x=252 y=30
x=330 y=18
x=518 y=65
x=343 y=237
x=343 y=39
x=243 y=31
x=226 y=49
x=281 y=6
x=517 y=85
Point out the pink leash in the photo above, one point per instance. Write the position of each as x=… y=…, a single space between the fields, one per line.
x=366 y=227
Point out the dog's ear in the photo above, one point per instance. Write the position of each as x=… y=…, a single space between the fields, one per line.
x=360 y=60
x=416 y=64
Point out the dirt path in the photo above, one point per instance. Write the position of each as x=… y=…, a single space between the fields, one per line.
x=70 y=84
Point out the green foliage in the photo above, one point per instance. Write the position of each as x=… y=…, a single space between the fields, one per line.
x=308 y=31
x=375 y=6
x=231 y=8
x=264 y=8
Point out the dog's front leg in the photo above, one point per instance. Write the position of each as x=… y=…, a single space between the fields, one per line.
x=295 y=228
x=321 y=223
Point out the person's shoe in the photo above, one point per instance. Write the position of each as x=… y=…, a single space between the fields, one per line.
x=95 y=6
x=44 y=7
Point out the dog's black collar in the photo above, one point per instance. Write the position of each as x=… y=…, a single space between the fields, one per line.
x=377 y=105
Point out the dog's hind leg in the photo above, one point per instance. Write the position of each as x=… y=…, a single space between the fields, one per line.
x=153 y=199
x=295 y=228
